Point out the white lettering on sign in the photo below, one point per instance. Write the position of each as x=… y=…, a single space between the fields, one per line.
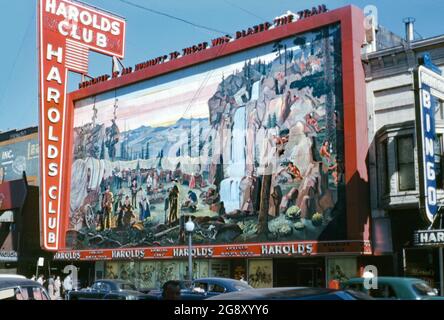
x=67 y=32
x=287 y=249
x=428 y=80
x=429 y=237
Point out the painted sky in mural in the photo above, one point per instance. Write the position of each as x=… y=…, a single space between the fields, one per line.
x=249 y=146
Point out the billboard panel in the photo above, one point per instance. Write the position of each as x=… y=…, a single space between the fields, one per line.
x=250 y=146
x=19 y=155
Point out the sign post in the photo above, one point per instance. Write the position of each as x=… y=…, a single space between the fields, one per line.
x=67 y=32
x=429 y=86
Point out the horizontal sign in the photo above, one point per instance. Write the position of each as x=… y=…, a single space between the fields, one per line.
x=8 y=256
x=19 y=156
x=428 y=237
x=255 y=250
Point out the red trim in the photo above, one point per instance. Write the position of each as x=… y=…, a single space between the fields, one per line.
x=355 y=115
x=244 y=250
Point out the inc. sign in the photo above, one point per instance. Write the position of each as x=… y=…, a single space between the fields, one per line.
x=428 y=85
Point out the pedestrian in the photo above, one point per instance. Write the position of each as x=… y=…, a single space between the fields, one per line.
x=33 y=278
x=67 y=284
x=51 y=290
x=41 y=279
x=57 y=286
x=171 y=290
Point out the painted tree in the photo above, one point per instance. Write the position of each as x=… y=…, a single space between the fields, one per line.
x=262 y=228
x=277 y=47
x=273 y=120
x=102 y=150
x=147 y=150
x=269 y=122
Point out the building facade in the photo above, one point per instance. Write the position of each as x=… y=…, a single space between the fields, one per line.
x=393 y=163
x=19 y=159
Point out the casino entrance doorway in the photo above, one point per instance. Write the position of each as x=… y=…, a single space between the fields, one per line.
x=306 y=272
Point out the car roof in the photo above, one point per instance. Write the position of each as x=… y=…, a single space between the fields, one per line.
x=13 y=282
x=387 y=280
x=217 y=279
x=12 y=276
x=273 y=293
x=116 y=281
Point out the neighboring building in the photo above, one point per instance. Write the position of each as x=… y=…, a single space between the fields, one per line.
x=19 y=202
x=19 y=159
x=19 y=152
x=267 y=133
x=393 y=165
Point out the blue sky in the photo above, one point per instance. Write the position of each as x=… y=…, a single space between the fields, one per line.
x=150 y=35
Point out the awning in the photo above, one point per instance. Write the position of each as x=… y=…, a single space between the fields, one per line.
x=6 y=216
x=12 y=194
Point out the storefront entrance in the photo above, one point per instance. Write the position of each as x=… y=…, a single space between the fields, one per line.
x=307 y=272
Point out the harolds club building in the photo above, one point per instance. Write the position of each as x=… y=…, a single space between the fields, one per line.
x=259 y=137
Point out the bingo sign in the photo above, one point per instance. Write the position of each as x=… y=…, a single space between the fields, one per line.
x=67 y=31
x=429 y=87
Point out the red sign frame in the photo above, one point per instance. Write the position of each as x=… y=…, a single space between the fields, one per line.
x=67 y=31
x=355 y=116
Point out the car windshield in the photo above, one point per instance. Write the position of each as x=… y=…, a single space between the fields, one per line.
x=127 y=286
x=242 y=286
x=423 y=289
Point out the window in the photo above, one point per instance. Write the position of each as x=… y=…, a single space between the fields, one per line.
x=105 y=287
x=406 y=163
x=217 y=288
x=439 y=110
x=39 y=294
x=383 y=291
x=200 y=287
x=385 y=177
x=439 y=161
x=423 y=289
x=127 y=286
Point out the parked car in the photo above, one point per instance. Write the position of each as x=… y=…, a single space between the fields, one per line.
x=293 y=293
x=395 y=288
x=204 y=288
x=109 y=290
x=15 y=287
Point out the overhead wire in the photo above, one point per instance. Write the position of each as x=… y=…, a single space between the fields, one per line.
x=172 y=17
x=245 y=10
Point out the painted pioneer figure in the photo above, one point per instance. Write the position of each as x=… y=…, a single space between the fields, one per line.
x=191 y=202
x=127 y=212
x=118 y=208
x=276 y=199
x=323 y=152
x=107 y=208
x=113 y=137
x=173 y=205
x=134 y=190
x=144 y=207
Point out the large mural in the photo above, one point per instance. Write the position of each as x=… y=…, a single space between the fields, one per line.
x=250 y=147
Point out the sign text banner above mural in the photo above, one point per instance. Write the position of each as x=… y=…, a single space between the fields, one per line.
x=67 y=31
